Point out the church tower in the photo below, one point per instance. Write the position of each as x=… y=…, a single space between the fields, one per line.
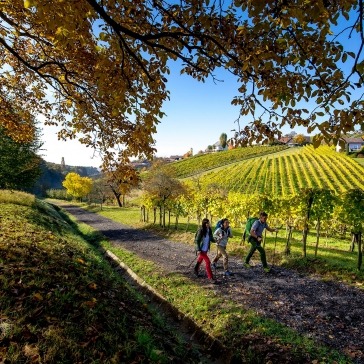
x=63 y=164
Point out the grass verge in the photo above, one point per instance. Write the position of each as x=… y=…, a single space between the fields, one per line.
x=61 y=302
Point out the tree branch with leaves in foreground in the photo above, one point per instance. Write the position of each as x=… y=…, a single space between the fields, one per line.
x=98 y=69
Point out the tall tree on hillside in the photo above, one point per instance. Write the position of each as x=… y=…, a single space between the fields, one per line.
x=20 y=165
x=299 y=139
x=76 y=185
x=162 y=187
x=121 y=178
x=100 y=190
x=107 y=64
x=223 y=140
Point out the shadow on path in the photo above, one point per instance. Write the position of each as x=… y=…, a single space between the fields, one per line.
x=329 y=312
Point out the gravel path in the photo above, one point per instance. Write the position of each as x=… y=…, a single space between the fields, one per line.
x=329 y=312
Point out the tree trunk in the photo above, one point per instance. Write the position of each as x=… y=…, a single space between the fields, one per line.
x=304 y=239
x=360 y=251
x=243 y=236
x=317 y=236
x=176 y=223
x=154 y=215
x=160 y=216
x=142 y=212
x=164 y=217
x=306 y=227
x=117 y=197
x=147 y=215
x=169 y=219
x=352 y=244
x=188 y=223
x=287 y=251
x=123 y=200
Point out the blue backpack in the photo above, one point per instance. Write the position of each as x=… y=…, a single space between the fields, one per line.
x=219 y=224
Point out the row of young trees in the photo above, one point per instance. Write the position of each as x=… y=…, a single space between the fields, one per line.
x=311 y=208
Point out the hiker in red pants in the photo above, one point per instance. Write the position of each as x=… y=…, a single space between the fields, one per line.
x=203 y=238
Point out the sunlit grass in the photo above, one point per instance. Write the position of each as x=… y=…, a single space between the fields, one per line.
x=17 y=197
x=61 y=302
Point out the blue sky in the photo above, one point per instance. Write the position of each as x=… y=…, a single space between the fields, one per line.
x=197 y=114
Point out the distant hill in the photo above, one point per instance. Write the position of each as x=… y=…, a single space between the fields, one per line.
x=53 y=174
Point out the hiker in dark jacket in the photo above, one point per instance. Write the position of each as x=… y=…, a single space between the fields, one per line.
x=255 y=238
x=203 y=239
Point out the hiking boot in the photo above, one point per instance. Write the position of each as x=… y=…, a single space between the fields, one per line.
x=246 y=265
x=266 y=269
x=228 y=274
x=195 y=270
x=213 y=266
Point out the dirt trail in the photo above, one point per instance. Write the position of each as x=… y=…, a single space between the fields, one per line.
x=329 y=312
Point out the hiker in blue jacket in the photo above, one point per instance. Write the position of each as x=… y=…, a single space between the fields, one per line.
x=255 y=239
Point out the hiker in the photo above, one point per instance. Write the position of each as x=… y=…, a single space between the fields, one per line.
x=221 y=235
x=255 y=238
x=203 y=238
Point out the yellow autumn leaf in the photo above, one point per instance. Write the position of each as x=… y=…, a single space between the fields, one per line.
x=31 y=351
x=90 y=303
x=29 y=3
x=38 y=296
x=92 y=286
x=62 y=31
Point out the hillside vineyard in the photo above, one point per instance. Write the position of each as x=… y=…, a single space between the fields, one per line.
x=285 y=172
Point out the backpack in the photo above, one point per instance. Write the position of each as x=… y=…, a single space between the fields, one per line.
x=248 y=226
x=219 y=224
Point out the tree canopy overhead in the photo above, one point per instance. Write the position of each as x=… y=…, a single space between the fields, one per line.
x=106 y=64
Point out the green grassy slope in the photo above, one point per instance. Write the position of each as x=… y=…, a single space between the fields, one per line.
x=285 y=173
x=61 y=302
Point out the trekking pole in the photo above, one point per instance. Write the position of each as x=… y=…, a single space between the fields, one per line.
x=192 y=261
